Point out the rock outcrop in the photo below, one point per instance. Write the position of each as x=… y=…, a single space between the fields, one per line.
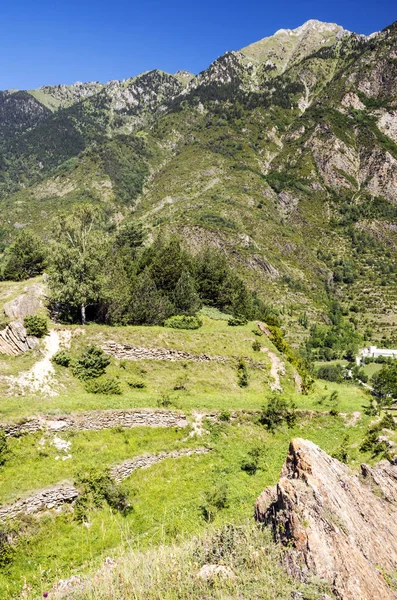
x=14 y=339
x=28 y=303
x=337 y=526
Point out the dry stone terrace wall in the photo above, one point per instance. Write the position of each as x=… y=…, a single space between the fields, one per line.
x=43 y=500
x=66 y=493
x=97 y=420
x=128 y=352
x=123 y=470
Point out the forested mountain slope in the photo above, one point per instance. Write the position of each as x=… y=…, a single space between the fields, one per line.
x=283 y=155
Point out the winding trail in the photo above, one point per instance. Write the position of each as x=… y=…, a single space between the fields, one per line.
x=40 y=378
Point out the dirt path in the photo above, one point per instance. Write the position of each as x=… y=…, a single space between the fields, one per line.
x=40 y=378
x=277 y=368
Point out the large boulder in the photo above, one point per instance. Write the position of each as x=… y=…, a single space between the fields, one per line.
x=28 y=303
x=337 y=526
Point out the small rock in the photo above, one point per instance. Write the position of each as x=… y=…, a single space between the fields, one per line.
x=208 y=572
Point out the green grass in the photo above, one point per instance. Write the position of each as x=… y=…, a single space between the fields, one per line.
x=34 y=461
x=166 y=498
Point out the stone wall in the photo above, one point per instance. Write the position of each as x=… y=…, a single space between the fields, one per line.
x=44 y=500
x=129 y=352
x=124 y=469
x=97 y=420
x=66 y=493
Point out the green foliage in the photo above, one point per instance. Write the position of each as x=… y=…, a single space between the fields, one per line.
x=242 y=373
x=90 y=364
x=36 y=325
x=62 y=358
x=256 y=346
x=384 y=382
x=334 y=404
x=342 y=453
x=250 y=464
x=215 y=500
x=4 y=451
x=25 y=258
x=277 y=337
x=183 y=322
x=96 y=488
x=237 y=321
x=7 y=551
x=331 y=372
x=148 y=305
x=77 y=259
x=276 y=412
x=137 y=385
x=185 y=297
x=125 y=161
x=104 y=385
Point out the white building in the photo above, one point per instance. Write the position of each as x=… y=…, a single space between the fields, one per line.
x=374 y=352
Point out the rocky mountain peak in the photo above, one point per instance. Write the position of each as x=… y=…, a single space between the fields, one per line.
x=337 y=526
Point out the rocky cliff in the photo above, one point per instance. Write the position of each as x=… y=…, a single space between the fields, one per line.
x=336 y=525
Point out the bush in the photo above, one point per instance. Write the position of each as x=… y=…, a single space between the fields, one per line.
x=138 y=385
x=250 y=464
x=256 y=346
x=183 y=322
x=91 y=364
x=237 y=321
x=109 y=386
x=242 y=373
x=3 y=447
x=331 y=373
x=36 y=326
x=215 y=500
x=97 y=487
x=278 y=411
x=62 y=358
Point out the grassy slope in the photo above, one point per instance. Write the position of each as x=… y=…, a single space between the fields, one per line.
x=167 y=497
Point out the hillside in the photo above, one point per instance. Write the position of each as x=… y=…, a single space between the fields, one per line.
x=293 y=138
x=189 y=264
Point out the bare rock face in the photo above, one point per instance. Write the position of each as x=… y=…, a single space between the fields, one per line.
x=14 y=339
x=26 y=304
x=338 y=527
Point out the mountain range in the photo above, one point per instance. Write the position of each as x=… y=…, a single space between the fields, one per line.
x=283 y=155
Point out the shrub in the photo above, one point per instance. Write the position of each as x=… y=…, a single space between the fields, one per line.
x=183 y=322
x=331 y=373
x=3 y=447
x=91 y=364
x=165 y=401
x=62 y=358
x=96 y=488
x=216 y=499
x=237 y=321
x=109 y=386
x=256 y=346
x=277 y=411
x=242 y=373
x=36 y=325
x=6 y=550
x=250 y=464
x=138 y=385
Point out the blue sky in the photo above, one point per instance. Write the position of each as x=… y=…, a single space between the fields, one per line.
x=53 y=41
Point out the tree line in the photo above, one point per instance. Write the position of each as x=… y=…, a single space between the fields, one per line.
x=100 y=272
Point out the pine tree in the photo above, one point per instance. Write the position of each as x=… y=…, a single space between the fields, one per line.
x=185 y=296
